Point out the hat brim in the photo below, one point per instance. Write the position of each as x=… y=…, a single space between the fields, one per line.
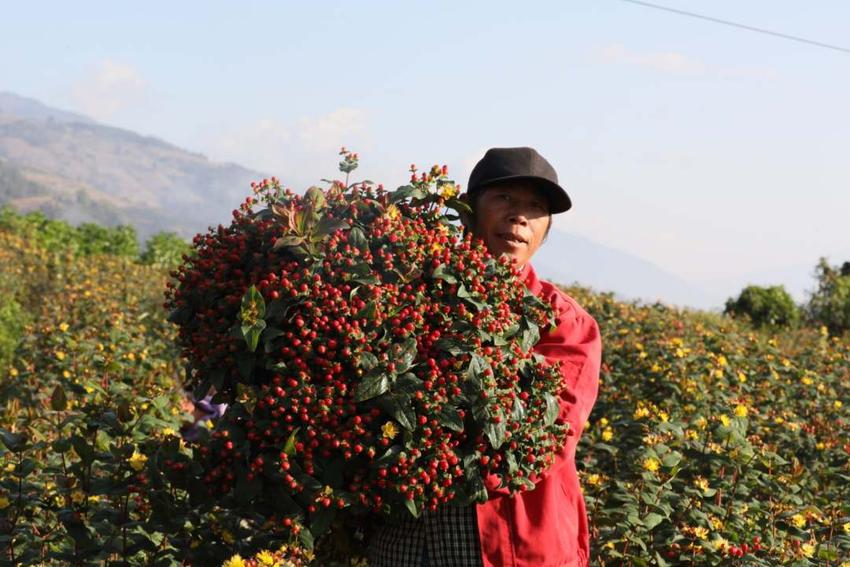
x=559 y=201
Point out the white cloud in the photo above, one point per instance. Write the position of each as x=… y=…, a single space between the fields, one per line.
x=109 y=89
x=666 y=61
x=288 y=149
x=331 y=130
x=675 y=63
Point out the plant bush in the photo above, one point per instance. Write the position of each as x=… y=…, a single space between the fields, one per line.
x=764 y=306
x=829 y=304
x=711 y=443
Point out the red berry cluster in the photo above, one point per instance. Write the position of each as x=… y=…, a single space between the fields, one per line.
x=376 y=356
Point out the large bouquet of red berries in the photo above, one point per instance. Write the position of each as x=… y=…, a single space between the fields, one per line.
x=375 y=357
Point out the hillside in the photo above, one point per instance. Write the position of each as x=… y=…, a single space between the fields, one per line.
x=78 y=170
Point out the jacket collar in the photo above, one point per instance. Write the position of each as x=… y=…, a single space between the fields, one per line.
x=529 y=277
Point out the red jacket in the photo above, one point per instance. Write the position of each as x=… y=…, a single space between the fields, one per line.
x=547 y=526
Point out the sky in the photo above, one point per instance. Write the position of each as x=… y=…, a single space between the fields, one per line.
x=712 y=151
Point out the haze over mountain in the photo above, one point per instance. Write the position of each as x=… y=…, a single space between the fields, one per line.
x=74 y=168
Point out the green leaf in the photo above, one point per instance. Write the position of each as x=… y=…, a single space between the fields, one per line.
x=289 y=447
x=407 y=192
x=442 y=272
x=357 y=239
x=15 y=442
x=288 y=241
x=58 y=399
x=399 y=407
x=652 y=519
x=252 y=334
x=411 y=507
x=245 y=363
x=321 y=521
x=530 y=336
x=495 y=432
x=315 y=197
x=459 y=205
x=450 y=419
x=367 y=361
x=327 y=226
x=553 y=409
x=368 y=312
x=373 y=385
x=404 y=354
x=307 y=540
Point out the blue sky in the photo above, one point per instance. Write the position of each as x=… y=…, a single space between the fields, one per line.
x=711 y=151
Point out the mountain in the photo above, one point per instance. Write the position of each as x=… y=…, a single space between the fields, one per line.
x=73 y=168
x=566 y=258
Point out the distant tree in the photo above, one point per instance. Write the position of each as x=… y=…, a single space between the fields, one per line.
x=164 y=249
x=765 y=306
x=829 y=304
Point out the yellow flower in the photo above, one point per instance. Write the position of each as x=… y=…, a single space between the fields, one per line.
x=663 y=416
x=701 y=532
x=641 y=412
x=66 y=374
x=168 y=431
x=724 y=419
x=138 y=460
x=701 y=422
x=651 y=464
x=63 y=327
x=741 y=410
x=13 y=372
x=266 y=557
x=701 y=483
x=594 y=479
x=721 y=360
x=742 y=377
x=798 y=520
x=60 y=355
x=448 y=190
x=808 y=549
x=691 y=435
x=719 y=543
x=392 y=212
x=389 y=430
x=607 y=434
x=131 y=356
x=235 y=561
x=837 y=404
x=603 y=421
x=78 y=497
x=4 y=501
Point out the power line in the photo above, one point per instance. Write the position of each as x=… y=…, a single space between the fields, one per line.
x=737 y=25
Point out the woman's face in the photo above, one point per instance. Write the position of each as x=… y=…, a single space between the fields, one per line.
x=512 y=218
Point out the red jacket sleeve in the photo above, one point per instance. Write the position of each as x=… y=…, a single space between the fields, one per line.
x=575 y=343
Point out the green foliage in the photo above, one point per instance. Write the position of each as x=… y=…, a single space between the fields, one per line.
x=829 y=305
x=12 y=322
x=765 y=306
x=59 y=236
x=165 y=249
x=707 y=436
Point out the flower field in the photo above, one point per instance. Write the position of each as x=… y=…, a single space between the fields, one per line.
x=711 y=443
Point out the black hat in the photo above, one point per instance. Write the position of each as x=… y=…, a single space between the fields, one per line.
x=509 y=164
